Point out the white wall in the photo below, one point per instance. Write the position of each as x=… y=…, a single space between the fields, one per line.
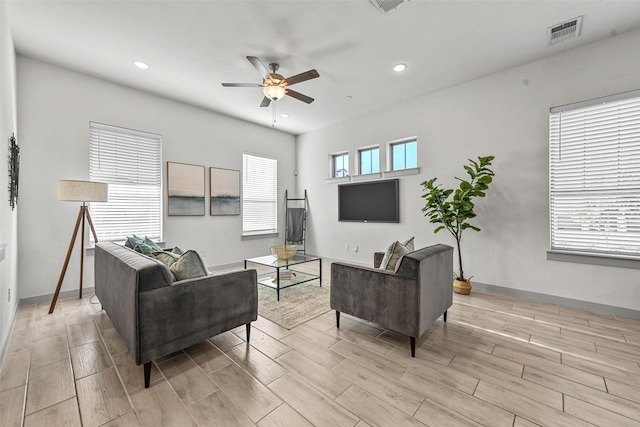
x=506 y=115
x=8 y=217
x=55 y=107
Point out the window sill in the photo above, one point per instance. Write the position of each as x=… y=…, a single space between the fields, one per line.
x=593 y=259
x=366 y=177
x=338 y=180
x=264 y=235
x=402 y=172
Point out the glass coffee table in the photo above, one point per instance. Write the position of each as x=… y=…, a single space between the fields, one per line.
x=285 y=276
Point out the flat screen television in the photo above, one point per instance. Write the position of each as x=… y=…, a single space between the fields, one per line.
x=371 y=201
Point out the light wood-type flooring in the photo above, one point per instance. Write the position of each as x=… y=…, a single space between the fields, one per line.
x=498 y=361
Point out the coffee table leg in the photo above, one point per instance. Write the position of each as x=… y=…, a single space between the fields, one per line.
x=278 y=284
x=320 y=274
x=245 y=264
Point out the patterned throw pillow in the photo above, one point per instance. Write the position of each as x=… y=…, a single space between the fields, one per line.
x=394 y=253
x=154 y=245
x=189 y=266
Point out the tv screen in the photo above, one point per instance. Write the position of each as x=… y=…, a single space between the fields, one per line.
x=373 y=201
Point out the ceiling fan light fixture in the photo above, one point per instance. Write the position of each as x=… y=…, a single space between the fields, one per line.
x=274 y=92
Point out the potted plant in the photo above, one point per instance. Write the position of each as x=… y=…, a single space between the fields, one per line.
x=454 y=213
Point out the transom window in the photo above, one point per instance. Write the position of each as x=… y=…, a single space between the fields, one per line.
x=404 y=155
x=594 y=176
x=340 y=165
x=129 y=161
x=369 y=161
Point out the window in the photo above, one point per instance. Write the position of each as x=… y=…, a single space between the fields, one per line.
x=369 y=161
x=259 y=195
x=340 y=165
x=594 y=177
x=129 y=161
x=404 y=155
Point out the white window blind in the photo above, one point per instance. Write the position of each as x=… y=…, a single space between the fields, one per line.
x=129 y=161
x=259 y=195
x=594 y=177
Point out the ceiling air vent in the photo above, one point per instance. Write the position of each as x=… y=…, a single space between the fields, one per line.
x=565 y=31
x=386 y=5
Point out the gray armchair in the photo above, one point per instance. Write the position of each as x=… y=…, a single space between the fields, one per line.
x=406 y=301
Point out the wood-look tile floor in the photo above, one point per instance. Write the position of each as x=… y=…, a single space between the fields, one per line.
x=498 y=361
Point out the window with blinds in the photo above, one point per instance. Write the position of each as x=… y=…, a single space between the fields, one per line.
x=594 y=177
x=259 y=195
x=129 y=161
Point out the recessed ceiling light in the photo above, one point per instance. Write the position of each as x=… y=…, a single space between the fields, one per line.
x=141 y=64
x=399 y=67
x=284 y=115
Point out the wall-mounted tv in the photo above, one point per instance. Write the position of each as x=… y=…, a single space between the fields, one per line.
x=371 y=201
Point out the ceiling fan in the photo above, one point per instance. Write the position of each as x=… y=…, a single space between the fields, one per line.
x=274 y=85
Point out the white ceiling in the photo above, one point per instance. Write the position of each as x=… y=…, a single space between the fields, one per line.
x=193 y=47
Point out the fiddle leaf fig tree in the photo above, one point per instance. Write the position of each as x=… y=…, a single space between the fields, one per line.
x=453 y=209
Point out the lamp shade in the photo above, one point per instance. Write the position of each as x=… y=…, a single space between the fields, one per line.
x=273 y=92
x=82 y=191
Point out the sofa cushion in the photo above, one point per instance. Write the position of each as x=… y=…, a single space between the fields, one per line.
x=132 y=241
x=189 y=266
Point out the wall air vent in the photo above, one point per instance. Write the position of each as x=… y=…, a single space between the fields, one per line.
x=565 y=31
x=386 y=5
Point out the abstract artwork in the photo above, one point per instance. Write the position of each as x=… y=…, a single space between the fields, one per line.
x=225 y=191
x=185 y=188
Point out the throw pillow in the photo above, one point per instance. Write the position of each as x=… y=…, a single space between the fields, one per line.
x=394 y=253
x=189 y=266
x=167 y=258
x=408 y=244
x=143 y=249
x=154 y=245
x=132 y=241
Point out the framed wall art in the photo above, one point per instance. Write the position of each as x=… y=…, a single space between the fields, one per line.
x=185 y=189
x=224 y=185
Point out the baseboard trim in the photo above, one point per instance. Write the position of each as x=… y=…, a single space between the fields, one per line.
x=7 y=339
x=562 y=301
x=49 y=297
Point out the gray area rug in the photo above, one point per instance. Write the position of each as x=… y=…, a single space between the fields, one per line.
x=298 y=304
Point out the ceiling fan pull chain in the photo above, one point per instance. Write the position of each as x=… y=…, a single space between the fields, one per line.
x=273 y=116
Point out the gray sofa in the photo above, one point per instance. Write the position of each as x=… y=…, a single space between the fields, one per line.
x=406 y=301
x=156 y=315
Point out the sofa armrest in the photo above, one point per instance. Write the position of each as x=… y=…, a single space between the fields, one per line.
x=190 y=311
x=376 y=295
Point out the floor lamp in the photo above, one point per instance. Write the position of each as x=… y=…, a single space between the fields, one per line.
x=79 y=191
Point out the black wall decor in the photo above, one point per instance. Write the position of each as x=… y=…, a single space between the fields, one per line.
x=14 y=168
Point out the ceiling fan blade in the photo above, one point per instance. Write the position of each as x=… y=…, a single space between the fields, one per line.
x=299 y=96
x=265 y=102
x=307 y=75
x=241 y=85
x=258 y=65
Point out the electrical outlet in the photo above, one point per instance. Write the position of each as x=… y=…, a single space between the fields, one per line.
x=346 y=247
x=355 y=248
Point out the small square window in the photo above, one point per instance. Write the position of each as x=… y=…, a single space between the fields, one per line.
x=369 y=161
x=340 y=165
x=404 y=155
